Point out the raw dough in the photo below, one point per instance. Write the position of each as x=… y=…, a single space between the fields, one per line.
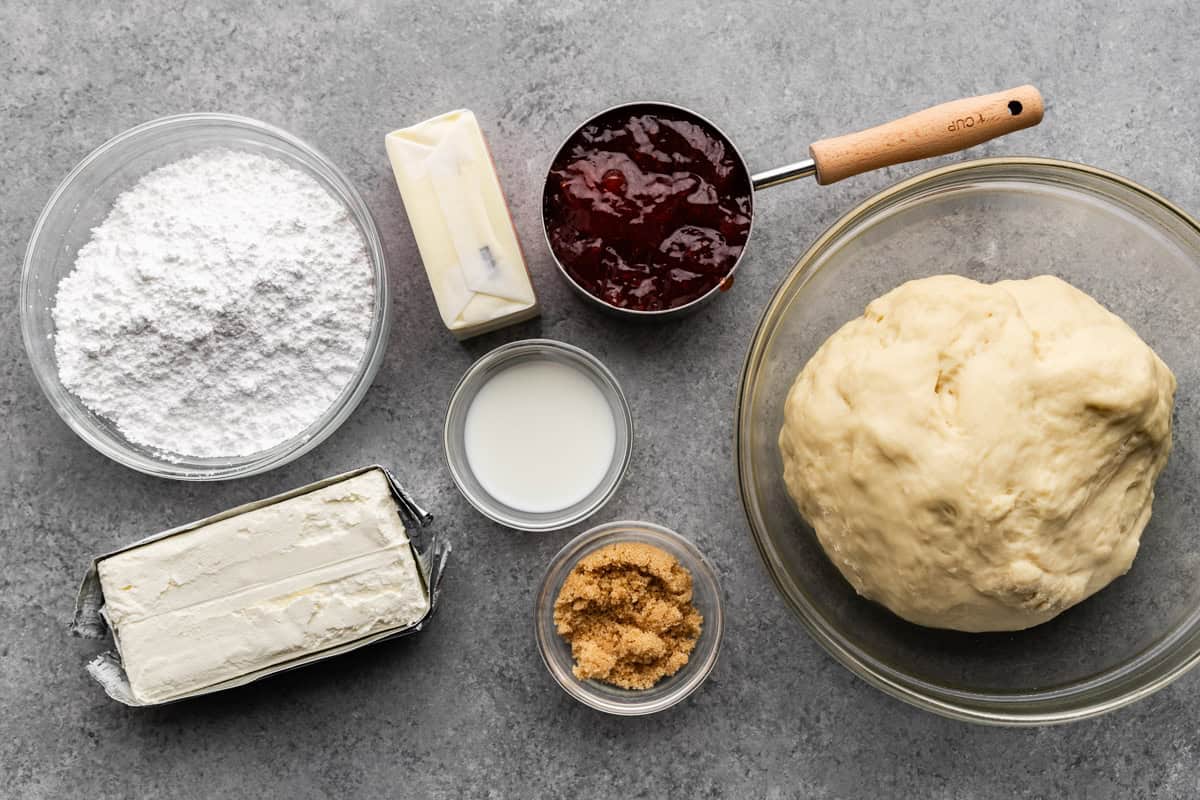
x=979 y=457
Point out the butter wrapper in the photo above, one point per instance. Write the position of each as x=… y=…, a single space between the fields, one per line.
x=462 y=225
x=429 y=548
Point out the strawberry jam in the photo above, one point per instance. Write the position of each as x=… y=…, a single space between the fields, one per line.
x=647 y=207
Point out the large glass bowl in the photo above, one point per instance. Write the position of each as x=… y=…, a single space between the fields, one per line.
x=83 y=200
x=989 y=220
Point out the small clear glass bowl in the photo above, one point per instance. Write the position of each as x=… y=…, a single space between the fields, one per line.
x=84 y=199
x=706 y=596
x=456 y=417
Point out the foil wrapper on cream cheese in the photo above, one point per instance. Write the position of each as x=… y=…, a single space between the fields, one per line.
x=264 y=587
x=462 y=224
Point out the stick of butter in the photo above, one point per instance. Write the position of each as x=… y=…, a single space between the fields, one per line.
x=253 y=590
x=462 y=224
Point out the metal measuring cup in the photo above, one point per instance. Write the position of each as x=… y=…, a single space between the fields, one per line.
x=941 y=129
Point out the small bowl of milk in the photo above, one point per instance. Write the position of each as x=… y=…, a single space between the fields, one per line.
x=538 y=435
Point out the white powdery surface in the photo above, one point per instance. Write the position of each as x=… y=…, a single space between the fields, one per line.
x=219 y=309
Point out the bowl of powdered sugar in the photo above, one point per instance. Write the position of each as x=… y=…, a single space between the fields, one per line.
x=204 y=297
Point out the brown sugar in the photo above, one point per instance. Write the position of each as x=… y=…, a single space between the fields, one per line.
x=626 y=610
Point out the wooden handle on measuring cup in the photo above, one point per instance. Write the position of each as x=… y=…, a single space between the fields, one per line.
x=935 y=131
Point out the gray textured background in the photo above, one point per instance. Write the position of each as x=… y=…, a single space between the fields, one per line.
x=467 y=709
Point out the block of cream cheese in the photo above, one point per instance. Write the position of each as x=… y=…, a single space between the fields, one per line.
x=462 y=224
x=286 y=580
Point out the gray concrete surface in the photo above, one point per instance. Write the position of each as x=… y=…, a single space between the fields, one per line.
x=467 y=708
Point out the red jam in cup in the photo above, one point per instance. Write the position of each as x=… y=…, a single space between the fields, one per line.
x=647 y=208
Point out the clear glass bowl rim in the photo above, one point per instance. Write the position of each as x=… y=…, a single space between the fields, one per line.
x=316 y=433
x=714 y=624
x=1147 y=673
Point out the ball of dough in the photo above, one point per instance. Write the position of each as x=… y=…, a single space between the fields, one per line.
x=979 y=457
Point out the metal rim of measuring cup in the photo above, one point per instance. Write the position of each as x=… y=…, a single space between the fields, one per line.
x=761 y=181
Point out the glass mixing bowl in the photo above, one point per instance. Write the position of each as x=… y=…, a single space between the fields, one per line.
x=84 y=199
x=989 y=220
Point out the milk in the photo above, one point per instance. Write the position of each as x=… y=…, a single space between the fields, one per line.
x=540 y=436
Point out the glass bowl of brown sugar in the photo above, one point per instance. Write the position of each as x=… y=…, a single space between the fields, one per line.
x=629 y=618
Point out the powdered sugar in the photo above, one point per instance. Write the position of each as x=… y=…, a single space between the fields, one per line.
x=219 y=309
